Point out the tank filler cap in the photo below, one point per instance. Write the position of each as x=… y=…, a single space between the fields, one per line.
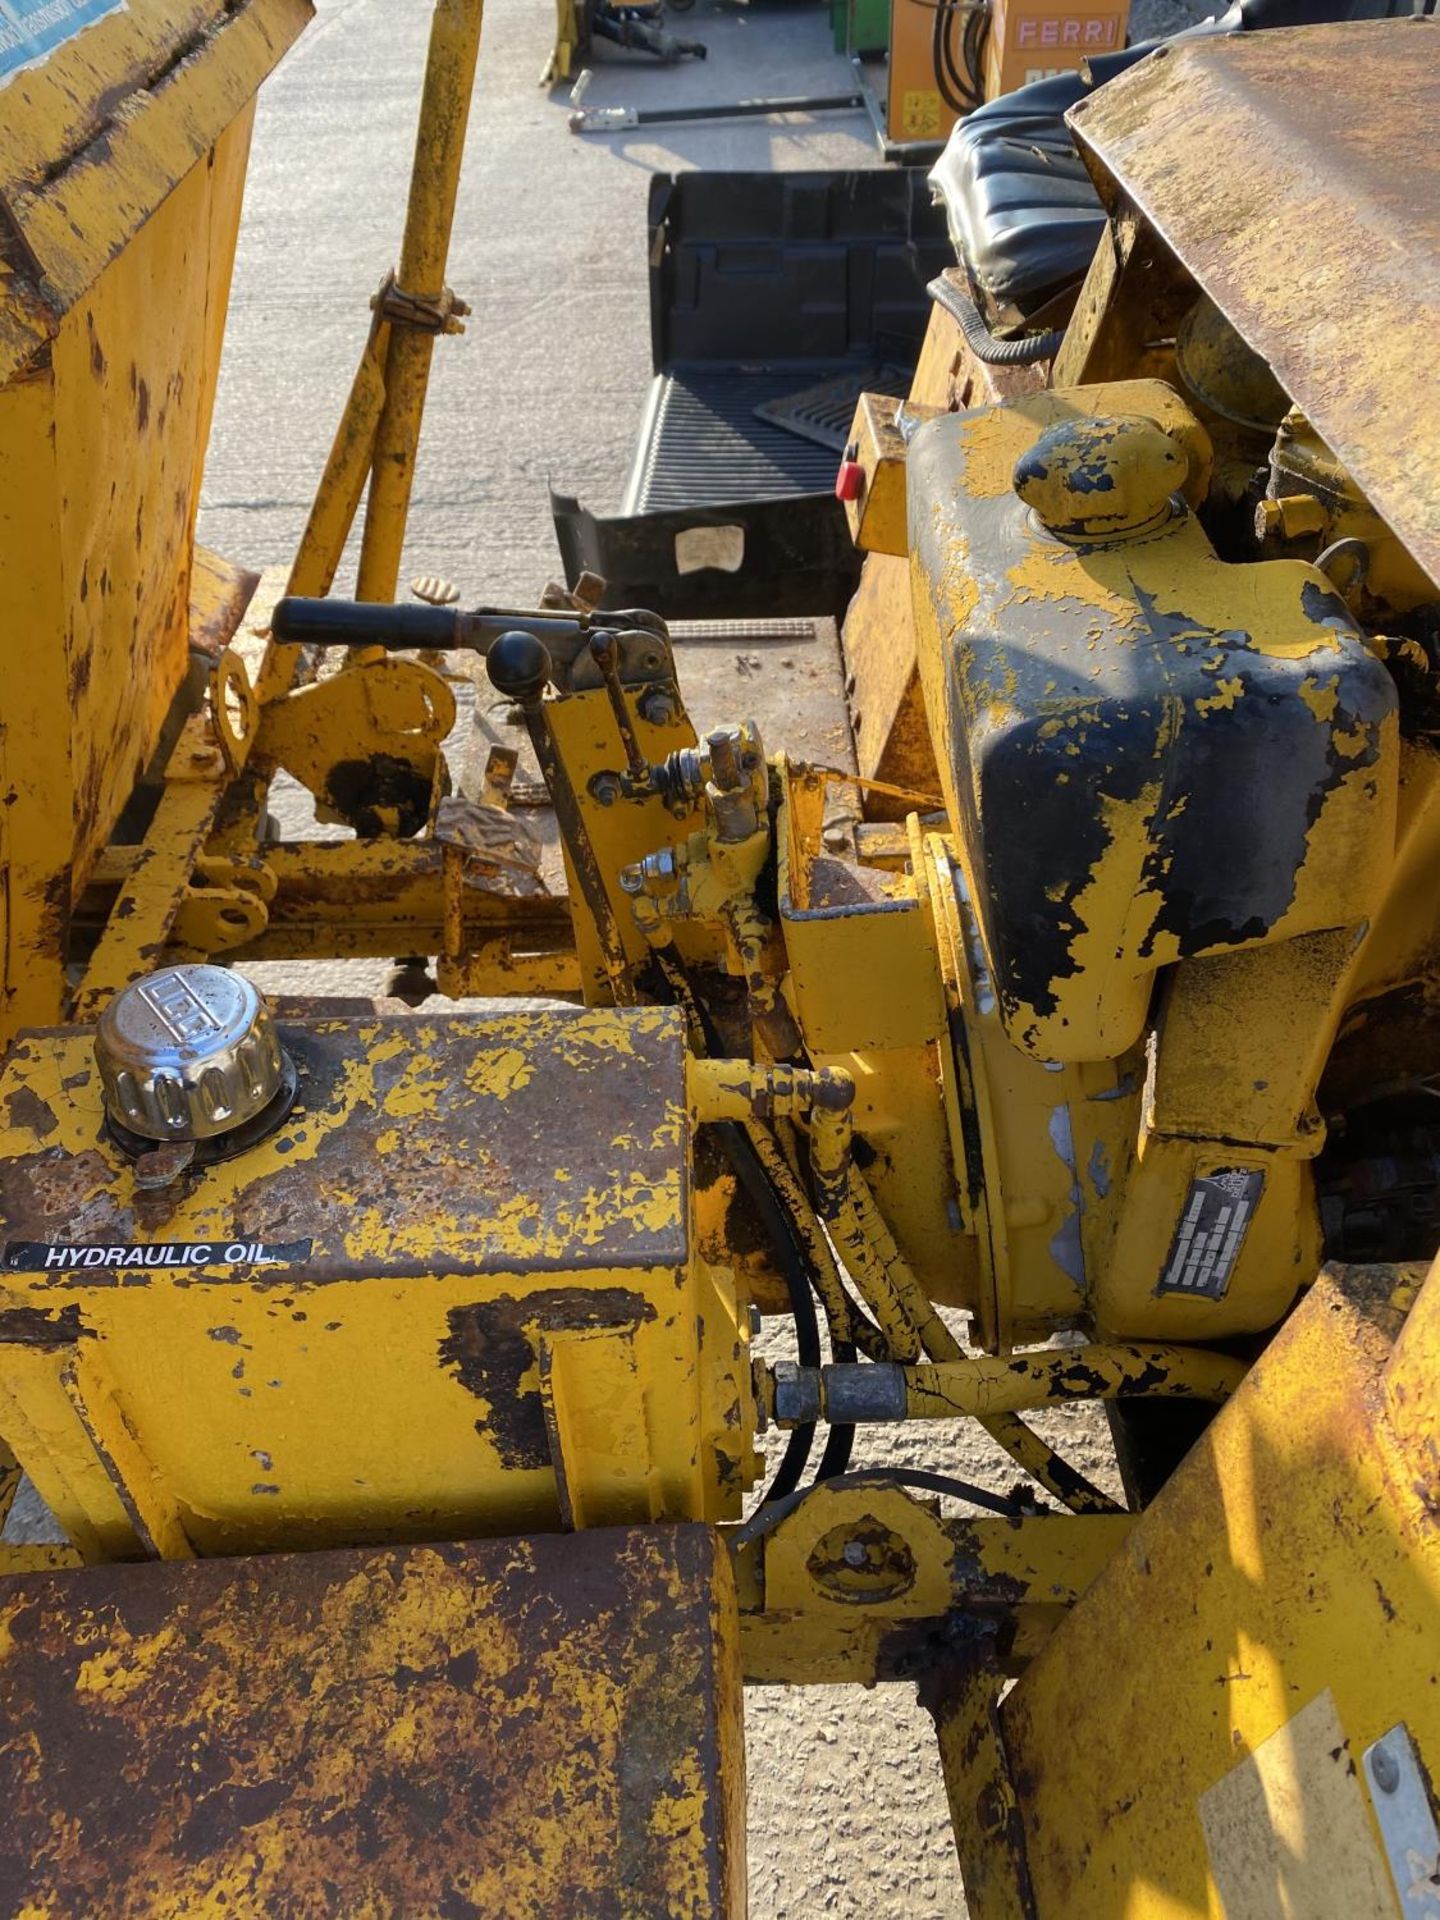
x=1089 y=481
x=191 y=1054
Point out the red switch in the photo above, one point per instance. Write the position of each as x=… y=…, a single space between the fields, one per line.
x=850 y=480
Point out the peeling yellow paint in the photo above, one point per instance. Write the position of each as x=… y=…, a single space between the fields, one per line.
x=1322 y=697
x=126 y=1665
x=1226 y=693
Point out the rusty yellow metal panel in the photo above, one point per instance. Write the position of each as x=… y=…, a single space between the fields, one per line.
x=846 y=928
x=810 y=1614
x=338 y=1335
x=543 y=1726
x=93 y=141
x=116 y=186
x=132 y=379
x=1320 y=242
x=1295 y=1555
x=887 y=709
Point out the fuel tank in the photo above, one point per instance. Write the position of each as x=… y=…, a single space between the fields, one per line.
x=1148 y=754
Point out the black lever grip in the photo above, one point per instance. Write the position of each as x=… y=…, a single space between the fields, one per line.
x=356 y=623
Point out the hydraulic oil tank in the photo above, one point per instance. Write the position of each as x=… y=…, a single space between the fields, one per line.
x=124 y=138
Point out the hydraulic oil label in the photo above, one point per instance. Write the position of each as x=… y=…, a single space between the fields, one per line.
x=39 y=1256
x=1211 y=1232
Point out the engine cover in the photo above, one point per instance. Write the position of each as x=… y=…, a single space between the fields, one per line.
x=1148 y=754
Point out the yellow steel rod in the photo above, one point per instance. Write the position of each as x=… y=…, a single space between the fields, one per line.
x=1019 y=1382
x=337 y=500
x=883 y=1275
x=434 y=181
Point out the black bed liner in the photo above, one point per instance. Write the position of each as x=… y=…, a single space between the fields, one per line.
x=762 y=286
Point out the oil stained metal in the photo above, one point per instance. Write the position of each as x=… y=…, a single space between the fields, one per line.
x=540 y=1726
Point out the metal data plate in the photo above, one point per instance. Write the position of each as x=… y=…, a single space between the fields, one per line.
x=1401 y=1800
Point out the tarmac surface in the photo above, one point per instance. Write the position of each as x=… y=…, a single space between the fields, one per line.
x=847 y=1811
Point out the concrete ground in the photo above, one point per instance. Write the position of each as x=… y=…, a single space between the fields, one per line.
x=847 y=1814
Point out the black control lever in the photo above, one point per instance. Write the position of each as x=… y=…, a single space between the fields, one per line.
x=643 y=643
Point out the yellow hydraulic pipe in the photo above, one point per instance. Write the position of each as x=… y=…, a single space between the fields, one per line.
x=984 y=1385
x=742 y=1090
x=434 y=181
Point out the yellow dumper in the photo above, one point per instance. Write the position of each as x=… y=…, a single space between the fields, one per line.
x=1064 y=1034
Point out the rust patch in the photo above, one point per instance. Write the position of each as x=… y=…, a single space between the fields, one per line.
x=381 y=1731
x=490 y=1347
x=72 y=1191
x=1275 y=243
x=32 y=1113
x=579 y=1158
x=42 y=1326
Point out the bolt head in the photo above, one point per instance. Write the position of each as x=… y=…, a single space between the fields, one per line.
x=1385 y=1769
x=854 y=1553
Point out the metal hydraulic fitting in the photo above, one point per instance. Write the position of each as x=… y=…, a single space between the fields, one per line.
x=727 y=772
x=843 y=1395
x=795 y=1393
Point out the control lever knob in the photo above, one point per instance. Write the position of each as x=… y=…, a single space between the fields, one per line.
x=519 y=666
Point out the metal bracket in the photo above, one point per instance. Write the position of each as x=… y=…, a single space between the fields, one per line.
x=401 y=309
x=1401 y=1800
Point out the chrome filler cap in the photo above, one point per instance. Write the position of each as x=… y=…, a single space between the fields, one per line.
x=188 y=1054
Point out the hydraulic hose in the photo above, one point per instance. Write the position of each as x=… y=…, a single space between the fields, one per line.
x=961 y=91
x=985 y=345
x=847 y=1326
x=765 y=1519
x=786 y=1248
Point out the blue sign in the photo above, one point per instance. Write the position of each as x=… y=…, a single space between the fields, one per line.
x=29 y=29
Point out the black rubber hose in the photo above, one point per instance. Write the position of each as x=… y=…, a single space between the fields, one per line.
x=767 y=1517
x=791 y=1261
x=790 y=1255
x=982 y=342
x=962 y=72
x=952 y=87
x=977 y=38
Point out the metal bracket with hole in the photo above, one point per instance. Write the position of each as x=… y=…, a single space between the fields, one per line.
x=1400 y=1797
